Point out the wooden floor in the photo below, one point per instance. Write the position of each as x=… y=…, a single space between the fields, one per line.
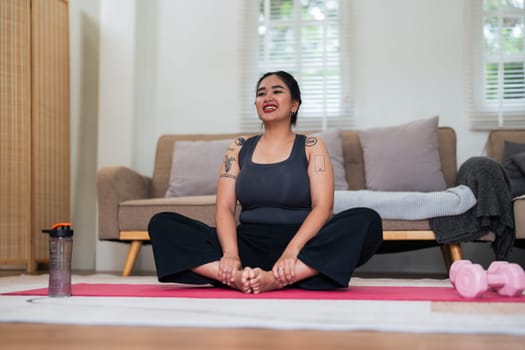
x=57 y=337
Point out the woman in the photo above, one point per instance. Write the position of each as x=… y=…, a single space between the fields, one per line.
x=287 y=235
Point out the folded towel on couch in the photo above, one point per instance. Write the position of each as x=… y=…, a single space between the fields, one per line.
x=408 y=205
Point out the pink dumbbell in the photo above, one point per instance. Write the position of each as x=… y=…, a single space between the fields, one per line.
x=471 y=280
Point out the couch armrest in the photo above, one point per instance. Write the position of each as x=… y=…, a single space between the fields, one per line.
x=115 y=185
x=519 y=216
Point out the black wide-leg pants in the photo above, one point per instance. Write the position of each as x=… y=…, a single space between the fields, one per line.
x=348 y=240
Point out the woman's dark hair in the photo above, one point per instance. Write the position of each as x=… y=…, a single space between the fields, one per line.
x=292 y=85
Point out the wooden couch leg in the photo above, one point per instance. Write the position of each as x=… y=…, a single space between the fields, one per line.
x=133 y=252
x=455 y=251
x=451 y=252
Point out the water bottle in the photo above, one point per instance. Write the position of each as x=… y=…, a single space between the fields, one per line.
x=60 y=248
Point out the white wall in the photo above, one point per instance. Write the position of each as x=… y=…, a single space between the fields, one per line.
x=84 y=67
x=173 y=66
x=409 y=62
x=200 y=69
x=161 y=73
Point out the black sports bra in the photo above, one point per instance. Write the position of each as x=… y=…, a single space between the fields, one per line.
x=276 y=193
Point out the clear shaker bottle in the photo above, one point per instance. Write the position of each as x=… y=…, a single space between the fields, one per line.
x=60 y=249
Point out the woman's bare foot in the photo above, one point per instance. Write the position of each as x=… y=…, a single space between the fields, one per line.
x=260 y=280
x=240 y=282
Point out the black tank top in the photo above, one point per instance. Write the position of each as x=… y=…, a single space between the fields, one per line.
x=277 y=193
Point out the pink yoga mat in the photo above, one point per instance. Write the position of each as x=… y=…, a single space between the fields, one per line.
x=352 y=293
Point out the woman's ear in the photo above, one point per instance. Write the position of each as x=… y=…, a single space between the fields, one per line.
x=295 y=106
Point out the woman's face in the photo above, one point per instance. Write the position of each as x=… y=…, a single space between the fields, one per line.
x=273 y=100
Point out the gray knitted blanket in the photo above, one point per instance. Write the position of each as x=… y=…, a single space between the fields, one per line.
x=493 y=212
x=408 y=205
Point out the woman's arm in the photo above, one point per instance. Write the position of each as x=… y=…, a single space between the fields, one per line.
x=226 y=203
x=321 y=175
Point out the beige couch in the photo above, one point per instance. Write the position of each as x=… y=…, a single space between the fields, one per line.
x=127 y=200
x=495 y=148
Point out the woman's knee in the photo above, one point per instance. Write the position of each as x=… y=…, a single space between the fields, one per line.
x=364 y=214
x=158 y=221
x=371 y=214
x=375 y=228
x=369 y=220
x=374 y=219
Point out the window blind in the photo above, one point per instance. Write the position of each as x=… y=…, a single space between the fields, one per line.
x=309 y=39
x=497 y=91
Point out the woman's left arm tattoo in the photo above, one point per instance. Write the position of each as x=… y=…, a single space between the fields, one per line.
x=228 y=163
x=228 y=166
x=319 y=163
x=311 y=141
x=240 y=141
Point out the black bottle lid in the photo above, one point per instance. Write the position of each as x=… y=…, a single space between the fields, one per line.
x=62 y=229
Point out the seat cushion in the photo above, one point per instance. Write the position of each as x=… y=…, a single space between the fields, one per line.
x=406 y=225
x=134 y=215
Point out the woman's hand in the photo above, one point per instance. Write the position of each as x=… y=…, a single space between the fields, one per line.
x=228 y=265
x=284 y=269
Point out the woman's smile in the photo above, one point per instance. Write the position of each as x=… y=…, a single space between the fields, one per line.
x=269 y=107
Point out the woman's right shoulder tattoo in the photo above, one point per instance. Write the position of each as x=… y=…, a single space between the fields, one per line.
x=239 y=141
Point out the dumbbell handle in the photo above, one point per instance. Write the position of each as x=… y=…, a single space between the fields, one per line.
x=496 y=280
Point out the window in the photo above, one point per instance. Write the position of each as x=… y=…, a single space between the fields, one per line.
x=498 y=76
x=309 y=39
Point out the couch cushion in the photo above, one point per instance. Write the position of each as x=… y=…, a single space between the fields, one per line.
x=195 y=167
x=164 y=158
x=404 y=157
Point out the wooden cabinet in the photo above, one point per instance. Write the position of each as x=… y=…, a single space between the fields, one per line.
x=34 y=127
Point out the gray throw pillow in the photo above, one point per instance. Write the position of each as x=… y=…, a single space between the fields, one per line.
x=195 y=167
x=334 y=144
x=514 y=165
x=403 y=157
